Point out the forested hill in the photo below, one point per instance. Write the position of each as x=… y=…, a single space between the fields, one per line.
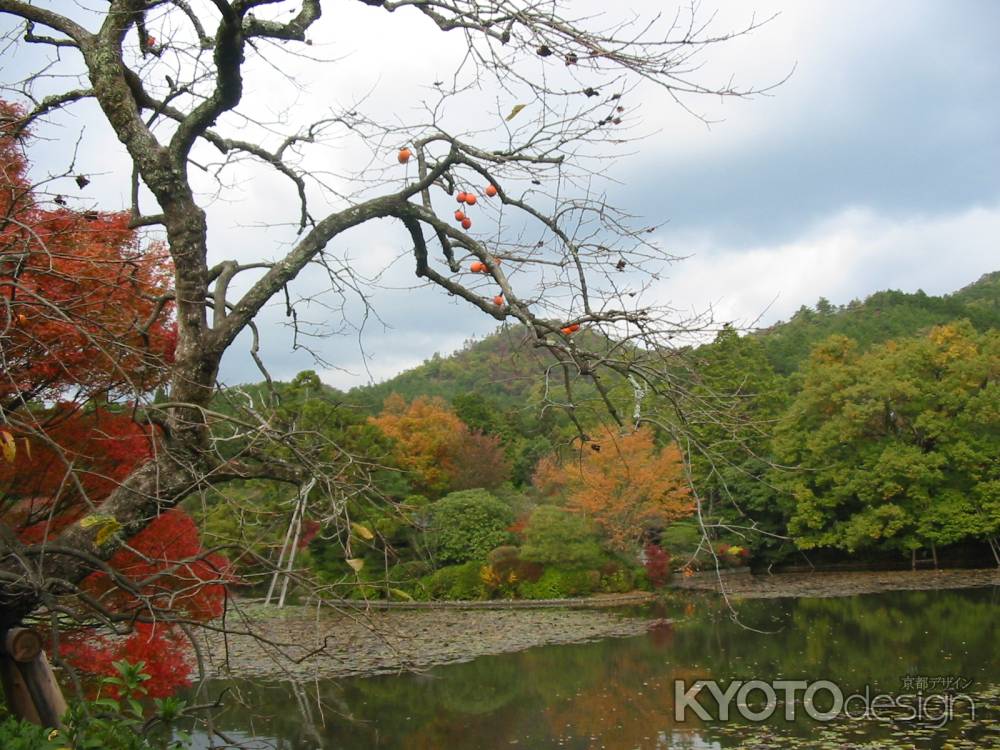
x=881 y=317
x=502 y=367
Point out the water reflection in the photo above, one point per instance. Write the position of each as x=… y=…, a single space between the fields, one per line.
x=619 y=694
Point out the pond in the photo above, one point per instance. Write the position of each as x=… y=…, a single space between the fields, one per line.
x=619 y=694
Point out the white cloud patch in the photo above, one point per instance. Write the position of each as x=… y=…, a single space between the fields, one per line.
x=848 y=255
x=869 y=118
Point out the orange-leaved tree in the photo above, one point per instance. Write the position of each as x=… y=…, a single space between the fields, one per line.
x=541 y=212
x=623 y=482
x=84 y=306
x=438 y=449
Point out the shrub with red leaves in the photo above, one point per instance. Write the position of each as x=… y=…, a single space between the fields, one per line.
x=161 y=646
x=167 y=556
x=657 y=564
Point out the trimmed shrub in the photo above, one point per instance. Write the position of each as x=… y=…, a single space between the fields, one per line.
x=557 y=583
x=640 y=580
x=549 y=586
x=557 y=537
x=581 y=582
x=507 y=554
x=618 y=581
x=466 y=525
x=456 y=582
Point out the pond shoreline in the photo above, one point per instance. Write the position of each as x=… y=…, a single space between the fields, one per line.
x=369 y=638
x=824 y=584
x=598 y=601
x=301 y=645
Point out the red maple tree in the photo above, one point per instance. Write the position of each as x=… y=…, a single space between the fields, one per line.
x=86 y=318
x=84 y=305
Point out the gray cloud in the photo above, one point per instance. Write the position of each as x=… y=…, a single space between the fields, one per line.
x=876 y=165
x=894 y=118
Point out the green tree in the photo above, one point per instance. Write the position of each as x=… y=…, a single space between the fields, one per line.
x=466 y=525
x=897 y=447
x=555 y=536
x=739 y=388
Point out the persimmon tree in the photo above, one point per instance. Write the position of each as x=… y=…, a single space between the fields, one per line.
x=180 y=86
x=624 y=482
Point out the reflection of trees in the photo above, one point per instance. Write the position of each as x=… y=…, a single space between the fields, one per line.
x=481 y=690
x=622 y=690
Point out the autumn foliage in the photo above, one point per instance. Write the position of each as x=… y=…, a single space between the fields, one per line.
x=161 y=646
x=623 y=482
x=657 y=564
x=166 y=562
x=438 y=449
x=167 y=565
x=59 y=476
x=85 y=325
x=71 y=459
x=82 y=302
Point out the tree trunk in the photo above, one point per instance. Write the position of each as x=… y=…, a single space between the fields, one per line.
x=147 y=492
x=994 y=548
x=45 y=692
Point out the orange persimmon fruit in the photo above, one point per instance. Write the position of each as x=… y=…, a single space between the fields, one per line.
x=404 y=155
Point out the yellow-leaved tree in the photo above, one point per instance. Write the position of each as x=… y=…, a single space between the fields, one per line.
x=623 y=482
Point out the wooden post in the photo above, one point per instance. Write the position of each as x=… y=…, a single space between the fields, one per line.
x=22 y=644
x=19 y=701
x=29 y=684
x=45 y=691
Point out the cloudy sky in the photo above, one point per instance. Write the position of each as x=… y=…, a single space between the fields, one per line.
x=875 y=165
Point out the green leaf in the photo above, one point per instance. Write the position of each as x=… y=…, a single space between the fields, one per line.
x=135 y=706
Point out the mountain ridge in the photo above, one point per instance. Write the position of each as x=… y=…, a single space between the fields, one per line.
x=509 y=373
